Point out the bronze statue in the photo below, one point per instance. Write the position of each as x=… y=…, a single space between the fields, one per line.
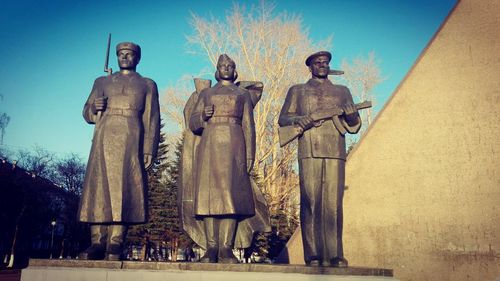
x=124 y=145
x=218 y=199
x=322 y=113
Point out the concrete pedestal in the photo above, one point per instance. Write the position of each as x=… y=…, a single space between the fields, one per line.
x=77 y=270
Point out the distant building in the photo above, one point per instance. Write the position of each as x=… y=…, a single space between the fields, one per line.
x=35 y=212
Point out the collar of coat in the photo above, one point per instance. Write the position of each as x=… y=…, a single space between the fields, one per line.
x=314 y=82
x=219 y=85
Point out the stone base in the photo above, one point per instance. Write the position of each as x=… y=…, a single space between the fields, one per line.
x=77 y=270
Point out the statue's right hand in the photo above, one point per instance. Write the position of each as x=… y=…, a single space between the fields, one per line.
x=305 y=122
x=208 y=112
x=99 y=104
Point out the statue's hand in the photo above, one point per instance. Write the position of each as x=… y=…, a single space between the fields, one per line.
x=99 y=104
x=305 y=122
x=250 y=163
x=350 y=113
x=208 y=112
x=148 y=161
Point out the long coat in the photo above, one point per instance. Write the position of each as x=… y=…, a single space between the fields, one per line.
x=222 y=183
x=115 y=181
x=193 y=225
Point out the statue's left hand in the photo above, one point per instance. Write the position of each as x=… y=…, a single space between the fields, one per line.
x=249 y=165
x=148 y=161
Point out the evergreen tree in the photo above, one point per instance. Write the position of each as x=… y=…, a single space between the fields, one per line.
x=163 y=227
x=175 y=236
x=153 y=231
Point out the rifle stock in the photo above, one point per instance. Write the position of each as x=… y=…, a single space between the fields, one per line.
x=289 y=133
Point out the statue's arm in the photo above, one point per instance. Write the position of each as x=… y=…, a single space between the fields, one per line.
x=288 y=114
x=352 y=123
x=88 y=113
x=151 y=121
x=248 y=125
x=196 y=122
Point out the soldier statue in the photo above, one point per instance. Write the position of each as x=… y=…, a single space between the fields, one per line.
x=223 y=194
x=322 y=156
x=125 y=144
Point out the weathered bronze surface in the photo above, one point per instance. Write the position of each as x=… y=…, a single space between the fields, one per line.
x=218 y=198
x=322 y=155
x=125 y=143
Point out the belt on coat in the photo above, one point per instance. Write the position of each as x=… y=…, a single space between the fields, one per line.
x=224 y=119
x=122 y=112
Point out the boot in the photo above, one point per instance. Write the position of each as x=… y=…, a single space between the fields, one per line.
x=98 y=233
x=314 y=261
x=227 y=231
x=338 y=262
x=210 y=255
x=116 y=236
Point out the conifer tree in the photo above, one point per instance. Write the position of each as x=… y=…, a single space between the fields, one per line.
x=152 y=233
x=163 y=227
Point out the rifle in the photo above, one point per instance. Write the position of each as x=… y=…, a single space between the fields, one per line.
x=335 y=72
x=107 y=70
x=289 y=133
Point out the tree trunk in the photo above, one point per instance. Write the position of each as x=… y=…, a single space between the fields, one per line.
x=18 y=220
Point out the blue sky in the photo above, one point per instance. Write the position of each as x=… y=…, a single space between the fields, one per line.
x=53 y=50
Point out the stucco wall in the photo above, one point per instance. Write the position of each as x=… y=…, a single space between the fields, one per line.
x=423 y=192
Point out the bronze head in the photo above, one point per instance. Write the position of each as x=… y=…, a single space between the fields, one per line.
x=129 y=55
x=319 y=64
x=226 y=69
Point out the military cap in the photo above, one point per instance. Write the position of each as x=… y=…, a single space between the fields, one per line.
x=225 y=57
x=317 y=54
x=128 y=46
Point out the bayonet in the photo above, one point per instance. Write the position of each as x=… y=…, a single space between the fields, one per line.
x=106 y=69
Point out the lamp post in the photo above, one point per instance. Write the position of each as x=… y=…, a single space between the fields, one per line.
x=53 y=223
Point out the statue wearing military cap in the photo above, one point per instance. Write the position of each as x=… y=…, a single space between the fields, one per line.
x=125 y=109
x=321 y=155
x=317 y=54
x=129 y=46
x=223 y=199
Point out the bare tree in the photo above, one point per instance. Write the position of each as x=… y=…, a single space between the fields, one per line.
x=70 y=172
x=38 y=161
x=4 y=121
x=269 y=47
x=361 y=76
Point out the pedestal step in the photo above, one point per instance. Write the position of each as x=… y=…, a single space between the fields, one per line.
x=74 y=270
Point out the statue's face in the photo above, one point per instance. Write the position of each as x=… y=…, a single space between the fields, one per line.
x=226 y=70
x=320 y=66
x=127 y=59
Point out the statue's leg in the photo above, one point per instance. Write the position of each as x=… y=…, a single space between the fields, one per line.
x=98 y=234
x=310 y=209
x=227 y=232
x=211 y=234
x=116 y=237
x=333 y=193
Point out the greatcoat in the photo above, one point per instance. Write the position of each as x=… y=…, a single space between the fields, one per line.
x=191 y=224
x=115 y=181
x=222 y=183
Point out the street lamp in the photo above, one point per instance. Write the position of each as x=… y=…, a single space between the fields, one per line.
x=53 y=223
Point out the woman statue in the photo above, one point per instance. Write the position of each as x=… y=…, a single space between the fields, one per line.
x=223 y=196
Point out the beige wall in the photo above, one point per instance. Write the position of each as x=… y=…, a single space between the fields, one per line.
x=423 y=192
